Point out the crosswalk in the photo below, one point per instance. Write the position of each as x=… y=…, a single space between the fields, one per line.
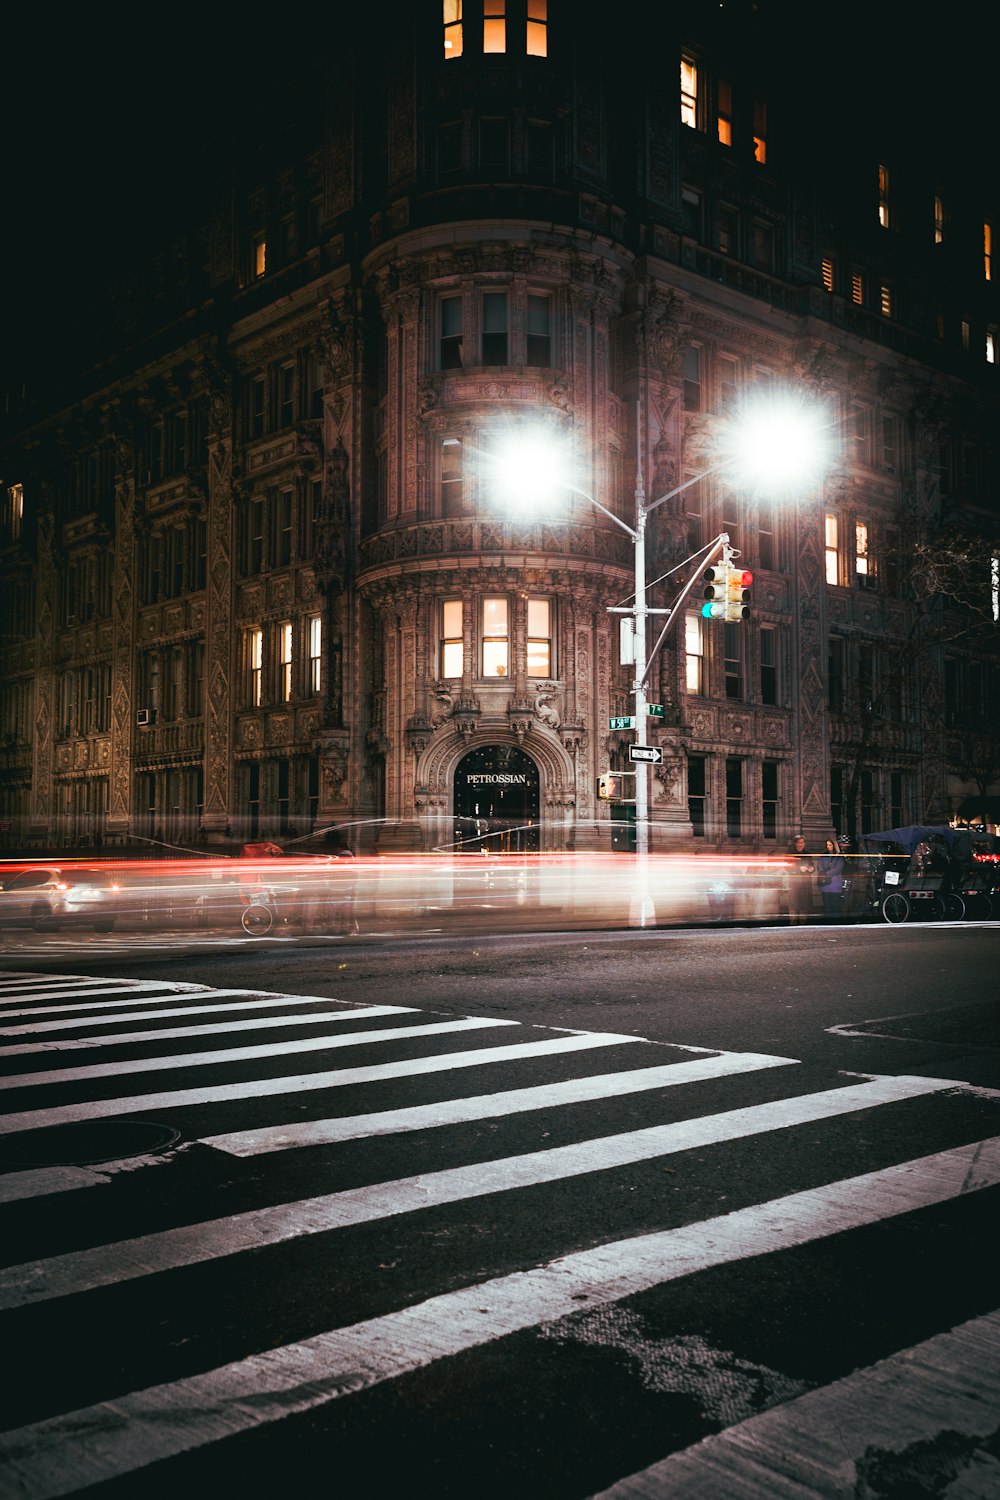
x=466 y=1255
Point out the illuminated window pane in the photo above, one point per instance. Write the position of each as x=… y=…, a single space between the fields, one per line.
x=883 y=196
x=538 y=36
x=694 y=653
x=539 y=638
x=938 y=221
x=988 y=251
x=861 y=548
x=760 y=130
x=452 y=28
x=259 y=257
x=495 y=644
x=494 y=26
x=827 y=271
x=285 y=661
x=452 y=654
x=831 y=544
x=725 y=112
x=857 y=287
x=689 y=92
x=315 y=654
x=885 y=299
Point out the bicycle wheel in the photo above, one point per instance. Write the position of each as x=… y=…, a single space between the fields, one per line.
x=895 y=907
x=257 y=920
x=954 y=907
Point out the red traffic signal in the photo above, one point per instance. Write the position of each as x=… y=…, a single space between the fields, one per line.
x=738 y=593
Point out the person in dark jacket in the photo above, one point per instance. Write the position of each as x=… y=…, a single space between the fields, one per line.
x=801 y=881
x=830 y=878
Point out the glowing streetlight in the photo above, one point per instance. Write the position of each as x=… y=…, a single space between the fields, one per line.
x=779 y=442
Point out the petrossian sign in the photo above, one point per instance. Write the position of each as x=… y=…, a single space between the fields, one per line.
x=497 y=778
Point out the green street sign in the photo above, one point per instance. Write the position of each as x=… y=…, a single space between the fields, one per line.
x=655 y=710
x=625 y=721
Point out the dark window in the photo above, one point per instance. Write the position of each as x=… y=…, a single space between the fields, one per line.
x=835 y=674
x=494 y=328
x=493 y=145
x=768 y=665
x=539 y=331
x=896 y=818
x=451 y=333
x=734 y=799
x=732 y=647
x=539 y=149
x=696 y=794
x=769 y=798
x=692 y=380
x=450 y=148
x=837 y=798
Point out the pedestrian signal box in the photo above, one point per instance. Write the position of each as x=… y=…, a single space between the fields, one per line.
x=616 y=786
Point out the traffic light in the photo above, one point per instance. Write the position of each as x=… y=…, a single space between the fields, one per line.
x=616 y=786
x=716 y=591
x=738 y=593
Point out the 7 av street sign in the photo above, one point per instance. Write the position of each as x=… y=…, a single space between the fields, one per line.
x=652 y=753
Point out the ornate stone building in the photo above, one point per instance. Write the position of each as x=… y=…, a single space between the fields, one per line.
x=254 y=577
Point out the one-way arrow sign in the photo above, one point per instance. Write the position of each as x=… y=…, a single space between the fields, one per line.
x=652 y=753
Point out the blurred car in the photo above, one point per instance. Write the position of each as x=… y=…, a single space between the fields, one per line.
x=45 y=896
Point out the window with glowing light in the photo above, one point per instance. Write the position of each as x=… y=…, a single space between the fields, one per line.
x=494 y=26
x=725 y=112
x=285 y=661
x=452 y=28
x=539 y=638
x=760 y=130
x=988 y=251
x=253 y=662
x=689 y=91
x=826 y=272
x=496 y=643
x=938 y=220
x=314 y=627
x=883 y=195
x=857 y=287
x=992 y=341
x=259 y=255
x=13 y=512
x=886 y=300
x=537 y=38
x=694 y=654
x=452 y=655
x=864 y=563
x=831 y=550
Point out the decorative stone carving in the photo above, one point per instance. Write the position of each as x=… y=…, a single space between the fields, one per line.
x=544 y=693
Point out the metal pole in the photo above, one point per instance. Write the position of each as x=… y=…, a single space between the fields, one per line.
x=642 y=914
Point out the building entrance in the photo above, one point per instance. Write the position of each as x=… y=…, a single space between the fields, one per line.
x=496 y=801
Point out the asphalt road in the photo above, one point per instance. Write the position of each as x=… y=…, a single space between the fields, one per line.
x=663 y=1213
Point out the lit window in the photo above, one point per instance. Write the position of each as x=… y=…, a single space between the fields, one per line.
x=992 y=336
x=253 y=645
x=831 y=550
x=938 y=221
x=760 y=130
x=826 y=270
x=538 y=34
x=694 y=654
x=315 y=655
x=452 y=28
x=495 y=328
x=862 y=558
x=539 y=331
x=285 y=661
x=539 y=638
x=494 y=26
x=689 y=91
x=495 y=641
x=452 y=654
x=885 y=299
x=857 y=287
x=451 y=333
x=883 y=195
x=988 y=251
x=965 y=333
x=725 y=112
x=259 y=255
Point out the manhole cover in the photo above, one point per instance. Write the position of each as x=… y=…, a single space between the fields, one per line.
x=82 y=1144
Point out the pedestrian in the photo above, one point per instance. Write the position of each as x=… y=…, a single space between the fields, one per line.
x=830 y=879
x=801 y=881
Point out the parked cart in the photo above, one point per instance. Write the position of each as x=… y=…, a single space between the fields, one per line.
x=924 y=873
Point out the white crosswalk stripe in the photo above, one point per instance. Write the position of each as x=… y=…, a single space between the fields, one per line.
x=572 y=1081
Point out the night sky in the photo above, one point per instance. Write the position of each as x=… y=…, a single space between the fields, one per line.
x=111 y=128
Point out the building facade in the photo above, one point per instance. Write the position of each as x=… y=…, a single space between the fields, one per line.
x=256 y=581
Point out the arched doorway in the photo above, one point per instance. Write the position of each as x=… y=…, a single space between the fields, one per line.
x=496 y=801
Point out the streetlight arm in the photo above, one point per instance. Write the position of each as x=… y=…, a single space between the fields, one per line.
x=695 y=479
x=603 y=508
x=721 y=541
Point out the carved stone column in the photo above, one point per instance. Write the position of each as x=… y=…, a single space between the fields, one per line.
x=120 y=789
x=219 y=694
